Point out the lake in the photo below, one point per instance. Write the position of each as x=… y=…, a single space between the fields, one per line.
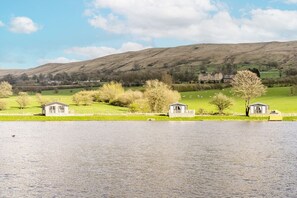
x=148 y=159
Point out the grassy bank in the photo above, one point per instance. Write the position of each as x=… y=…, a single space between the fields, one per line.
x=134 y=118
x=277 y=98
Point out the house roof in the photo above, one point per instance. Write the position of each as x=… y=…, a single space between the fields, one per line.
x=258 y=104
x=52 y=103
x=178 y=104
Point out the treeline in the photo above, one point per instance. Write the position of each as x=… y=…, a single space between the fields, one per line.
x=46 y=79
x=137 y=77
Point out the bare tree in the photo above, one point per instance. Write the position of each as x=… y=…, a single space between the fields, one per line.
x=159 y=95
x=110 y=92
x=247 y=85
x=23 y=100
x=5 y=89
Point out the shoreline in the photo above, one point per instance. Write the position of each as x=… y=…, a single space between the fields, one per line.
x=137 y=118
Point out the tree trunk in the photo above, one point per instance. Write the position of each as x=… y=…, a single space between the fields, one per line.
x=247 y=107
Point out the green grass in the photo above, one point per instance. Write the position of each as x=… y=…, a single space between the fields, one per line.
x=64 y=96
x=129 y=118
x=272 y=74
x=277 y=98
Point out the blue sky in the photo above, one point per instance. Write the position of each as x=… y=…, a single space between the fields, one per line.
x=35 y=32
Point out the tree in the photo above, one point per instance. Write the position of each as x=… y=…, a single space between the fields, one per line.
x=83 y=97
x=140 y=105
x=256 y=71
x=128 y=98
x=3 y=105
x=110 y=92
x=159 y=95
x=41 y=100
x=247 y=86
x=167 y=79
x=10 y=79
x=222 y=102
x=23 y=100
x=5 y=89
x=24 y=77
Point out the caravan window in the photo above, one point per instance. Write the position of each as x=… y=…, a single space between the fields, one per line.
x=61 y=109
x=52 y=109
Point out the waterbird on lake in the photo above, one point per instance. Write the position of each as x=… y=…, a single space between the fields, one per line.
x=12 y=135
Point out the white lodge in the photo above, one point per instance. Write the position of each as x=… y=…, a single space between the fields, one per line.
x=55 y=109
x=259 y=108
x=180 y=110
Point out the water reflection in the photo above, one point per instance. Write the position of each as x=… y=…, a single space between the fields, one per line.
x=148 y=159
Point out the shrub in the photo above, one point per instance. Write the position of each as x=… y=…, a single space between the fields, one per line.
x=159 y=96
x=294 y=90
x=23 y=100
x=110 y=92
x=3 y=105
x=201 y=111
x=128 y=98
x=41 y=100
x=222 y=102
x=83 y=97
x=5 y=89
x=140 y=105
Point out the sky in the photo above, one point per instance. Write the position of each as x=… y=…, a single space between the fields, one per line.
x=35 y=32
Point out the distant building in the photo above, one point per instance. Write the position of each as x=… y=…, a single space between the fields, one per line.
x=228 y=78
x=210 y=78
x=55 y=109
x=180 y=110
x=259 y=108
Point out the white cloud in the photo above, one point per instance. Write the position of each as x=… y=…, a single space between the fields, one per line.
x=96 y=52
x=1 y=24
x=193 y=20
x=56 y=60
x=23 y=25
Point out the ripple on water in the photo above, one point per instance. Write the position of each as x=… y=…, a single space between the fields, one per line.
x=148 y=159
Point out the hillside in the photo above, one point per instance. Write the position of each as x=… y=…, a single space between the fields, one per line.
x=282 y=54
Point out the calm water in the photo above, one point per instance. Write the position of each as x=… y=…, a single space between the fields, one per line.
x=148 y=159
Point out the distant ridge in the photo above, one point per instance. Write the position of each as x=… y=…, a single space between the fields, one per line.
x=164 y=59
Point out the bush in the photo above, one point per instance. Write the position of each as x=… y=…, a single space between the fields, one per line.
x=41 y=100
x=3 y=105
x=127 y=98
x=83 y=97
x=23 y=100
x=198 y=87
x=5 y=89
x=159 y=96
x=109 y=92
x=294 y=90
x=140 y=105
x=222 y=102
x=201 y=111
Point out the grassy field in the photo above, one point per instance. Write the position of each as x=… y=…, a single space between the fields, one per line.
x=276 y=98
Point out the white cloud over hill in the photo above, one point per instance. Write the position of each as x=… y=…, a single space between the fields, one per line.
x=56 y=60
x=95 y=51
x=192 y=20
